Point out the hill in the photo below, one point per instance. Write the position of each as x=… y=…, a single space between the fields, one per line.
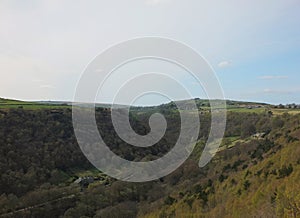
x=254 y=174
x=202 y=104
x=8 y=104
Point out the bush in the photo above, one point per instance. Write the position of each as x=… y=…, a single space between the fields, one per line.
x=169 y=200
x=285 y=171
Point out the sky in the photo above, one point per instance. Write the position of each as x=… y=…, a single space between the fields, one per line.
x=253 y=46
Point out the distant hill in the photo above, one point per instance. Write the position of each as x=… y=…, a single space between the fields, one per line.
x=199 y=102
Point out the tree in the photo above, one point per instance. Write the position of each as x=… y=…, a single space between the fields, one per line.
x=247 y=129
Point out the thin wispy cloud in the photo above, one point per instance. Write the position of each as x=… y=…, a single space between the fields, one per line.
x=280 y=91
x=270 y=77
x=224 y=64
x=156 y=2
x=47 y=86
x=37 y=80
x=273 y=91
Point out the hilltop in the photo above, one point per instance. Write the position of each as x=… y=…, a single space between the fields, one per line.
x=202 y=104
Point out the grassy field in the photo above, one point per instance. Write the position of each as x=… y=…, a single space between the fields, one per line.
x=32 y=106
x=7 y=104
x=275 y=111
x=246 y=110
x=281 y=111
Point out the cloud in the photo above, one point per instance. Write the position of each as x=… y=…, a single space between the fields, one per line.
x=271 y=92
x=156 y=2
x=277 y=91
x=224 y=64
x=37 y=80
x=47 y=86
x=269 y=77
x=99 y=70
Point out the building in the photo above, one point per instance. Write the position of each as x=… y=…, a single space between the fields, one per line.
x=84 y=181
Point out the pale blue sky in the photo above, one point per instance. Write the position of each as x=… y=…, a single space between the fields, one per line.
x=253 y=46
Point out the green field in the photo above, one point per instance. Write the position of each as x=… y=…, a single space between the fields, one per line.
x=7 y=104
x=246 y=110
x=275 y=111
x=27 y=105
